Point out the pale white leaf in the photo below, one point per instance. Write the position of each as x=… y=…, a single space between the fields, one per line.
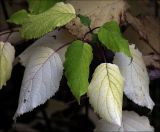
x=106 y=91
x=131 y=121
x=136 y=77
x=99 y=11
x=41 y=79
x=7 y=54
x=144 y=25
x=54 y=40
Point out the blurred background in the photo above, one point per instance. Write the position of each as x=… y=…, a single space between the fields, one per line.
x=62 y=113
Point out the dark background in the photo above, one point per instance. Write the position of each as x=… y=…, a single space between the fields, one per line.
x=62 y=113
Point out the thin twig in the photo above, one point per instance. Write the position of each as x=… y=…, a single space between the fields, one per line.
x=61 y=47
x=8 y=36
x=90 y=31
x=17 y=59
x=9 y=31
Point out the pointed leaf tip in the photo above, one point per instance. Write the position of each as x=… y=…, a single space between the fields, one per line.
x=41 y=79
x=19 y=17
x=110 y=36
x=85 y=20
x=105 y=92
x=78 y=58
x=136 y=77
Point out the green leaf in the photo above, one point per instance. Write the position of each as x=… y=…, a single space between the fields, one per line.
x=110 y=36
x=57 y=16
x=19 y=17
x=78 y=58
x=39 y=6
x=85 y=20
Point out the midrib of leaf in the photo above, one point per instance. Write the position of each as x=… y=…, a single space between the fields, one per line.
x=100 y=87
x=114 y=79
x=106 y=96
x=107 y=105
x=42 y=64
x=108 y=74
x=99 y=92
x=81 y=67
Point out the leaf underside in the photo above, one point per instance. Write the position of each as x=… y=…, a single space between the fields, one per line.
x=132 y=122
x=41 y=79
x=136 y=77
x=61 y=38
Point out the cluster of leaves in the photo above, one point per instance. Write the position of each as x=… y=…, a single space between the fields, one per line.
x=44 y=66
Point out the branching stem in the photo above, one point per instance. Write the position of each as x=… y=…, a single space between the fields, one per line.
x=61 y=47
x=9 y=31
x=89 y=32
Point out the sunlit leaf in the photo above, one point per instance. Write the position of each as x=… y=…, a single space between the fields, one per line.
x=39 y=6
x=7 y=53
x=106 y=91
x=57 y=16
